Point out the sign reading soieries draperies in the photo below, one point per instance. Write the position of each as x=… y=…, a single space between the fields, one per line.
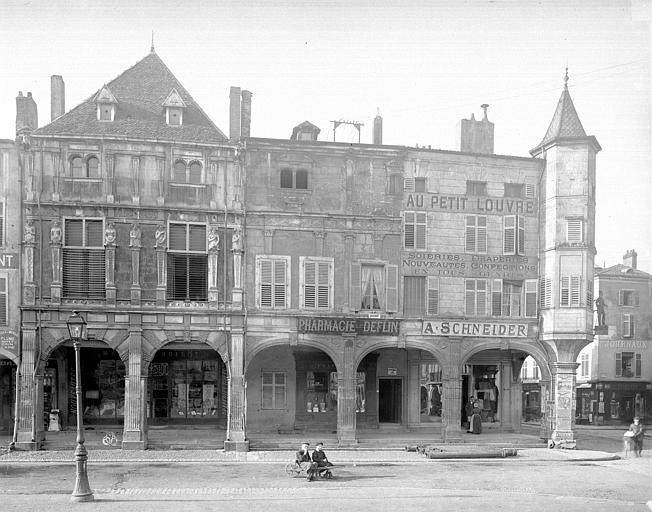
x=447 y=264
x=364 y=326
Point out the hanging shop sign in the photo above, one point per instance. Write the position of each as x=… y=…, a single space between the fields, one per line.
x=360 y=326
x=469 y=204
x=9 y=341
x=475 y=329
x=443 y=264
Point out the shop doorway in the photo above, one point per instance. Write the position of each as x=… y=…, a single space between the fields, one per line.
x=389 y=400
x=7 y=395
x=187 y=387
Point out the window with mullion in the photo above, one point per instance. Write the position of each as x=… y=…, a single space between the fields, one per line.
x=316 y=283
x=414 y=230
x=187 y=262
x=83 y=259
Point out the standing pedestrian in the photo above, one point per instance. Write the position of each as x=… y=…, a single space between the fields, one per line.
x=639 y=432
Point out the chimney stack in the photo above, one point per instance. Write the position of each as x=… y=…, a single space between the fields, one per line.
x=235 y=113
x=246 y=114
x=476 y=136
x=26 y=114
x=57 y=97
x=378 y=129
x=630 y=259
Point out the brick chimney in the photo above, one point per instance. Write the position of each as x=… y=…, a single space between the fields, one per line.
x=57 y=97
x=246 y=114
x=26 y=114
x=378 y=129
x=234 y=114
x=476 y=136
x=629 y=260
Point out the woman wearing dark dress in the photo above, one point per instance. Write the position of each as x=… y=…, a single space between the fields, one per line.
x=476 y=420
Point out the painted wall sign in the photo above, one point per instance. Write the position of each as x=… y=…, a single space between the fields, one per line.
x=476 y=329
x=9 y=341
x=8 y=260
x=364 y=326
x=642 y=344
x=469 y=204
x=420 y=263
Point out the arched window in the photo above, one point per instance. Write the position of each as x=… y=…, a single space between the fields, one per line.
x=93 y=167
x=180 y=171
x=76 y=167
x=195 y=173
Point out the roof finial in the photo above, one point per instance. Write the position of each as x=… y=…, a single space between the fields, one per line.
x=152 y=48
x=566 y=78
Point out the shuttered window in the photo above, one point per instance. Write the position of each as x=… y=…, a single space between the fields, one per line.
x=374 y=287
x=628 y=325
x=414 y=296
x=514 y=190
x=530 y=190
x=408 y=184
x=496 y=297
x=531 y=298
x=432 y=305
x=420 y=184
x=512 y=298
x=187 y=262
x=395 y=184
x=476 y=297
x=574 y=231
x=3 y=300
x=570 y=291
x=274 y=390
x=414 y=230
x=628 y=364
x=83 y=259
x=272 y=276
x=476 y=233
x=476 y=188
x=545 y=292
x=316 y=283
x=589 y=295
x=513 y=234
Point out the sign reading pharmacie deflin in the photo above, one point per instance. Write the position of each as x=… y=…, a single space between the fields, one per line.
x=476 y=329
x=359 y=326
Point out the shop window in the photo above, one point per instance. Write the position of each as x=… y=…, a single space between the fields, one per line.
x=273 y=281
x=513 y=234
x=374 y=287
x=321 y=391
x=294 y=178
x=187 y=262
x=274 y=390
x=3 y=300
x=415 y=226
x=584 y=365
x=316 y=285
x=574 y=231
x=83 y=259
x=476 y=188
x=430 y=380
x=570 y=291
x=627 y=298
x=476 y=233
x=628 y=325
x=514 y=190
x=476 y=297
x=628 y=364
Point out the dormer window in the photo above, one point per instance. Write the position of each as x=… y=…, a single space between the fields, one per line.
x=174 y=106
x=106 y=103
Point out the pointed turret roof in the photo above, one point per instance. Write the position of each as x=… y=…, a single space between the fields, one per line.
x=140 y=92
x=565 y=124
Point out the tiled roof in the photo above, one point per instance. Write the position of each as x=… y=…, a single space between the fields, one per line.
x=621 y=270
x=565 y=122
x=140 y=92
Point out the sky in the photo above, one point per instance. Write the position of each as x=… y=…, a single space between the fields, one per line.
x=424 y=65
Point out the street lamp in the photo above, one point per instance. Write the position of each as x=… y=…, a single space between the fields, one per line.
x=82 y=491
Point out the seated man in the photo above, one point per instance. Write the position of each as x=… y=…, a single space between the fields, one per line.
x=320 y=459
x=305 y=462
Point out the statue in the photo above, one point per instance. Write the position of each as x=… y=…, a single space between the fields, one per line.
x=599 y=307
x=213 y=239
x=160 y=235
x=55 y=232
x=134 y=236
x=236 y=239
x=29 y=232
x=109 y=234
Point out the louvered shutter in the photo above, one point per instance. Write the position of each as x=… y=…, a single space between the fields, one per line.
x=197 y=277
x=621 y=297
x=481 y=235
x=521 y=234
x=470 y=233
x=481 y=297
x=432 y=307
x=3 y=301
x=280 y=284
x=355 y=286
x=309 y=284
x=564 y=297
x=421 y=224
x=265 y=273
x=509 y=234
x=531 y=297
x=496 y=297
x=574 y=230
x=589 y=295
x=470 y=297
x=323 y=285
x=619 y=364
x=408 y=184
x=576 y=290
x=530 y=190
x=548 y=291
x=409 y=230
x=638 y=365
x=391 y=288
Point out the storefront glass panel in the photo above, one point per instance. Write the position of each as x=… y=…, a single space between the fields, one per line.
x=7 y=395
x=430 y=383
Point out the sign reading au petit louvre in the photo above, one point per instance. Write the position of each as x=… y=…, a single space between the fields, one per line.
x=476 y=329
x=364 y=326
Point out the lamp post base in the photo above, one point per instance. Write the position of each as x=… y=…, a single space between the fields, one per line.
x=82 y=490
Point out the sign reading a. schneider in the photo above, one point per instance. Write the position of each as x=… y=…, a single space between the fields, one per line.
x=368 y=326
x=477 y=329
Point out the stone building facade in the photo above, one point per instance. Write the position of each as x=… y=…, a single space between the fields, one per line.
x=614 y=377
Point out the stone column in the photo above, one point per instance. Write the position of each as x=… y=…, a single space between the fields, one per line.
x=563 y=381
x=545 y=430
x=414 y=394
x=235 y=433
x=505 y=390
x=517 y=406
x=346 y=395
x=27 y=438
x=452 y=393
x=29 y=242
x=135 y=428
x=55 y=251
x=237 y=250
x=213 y=244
